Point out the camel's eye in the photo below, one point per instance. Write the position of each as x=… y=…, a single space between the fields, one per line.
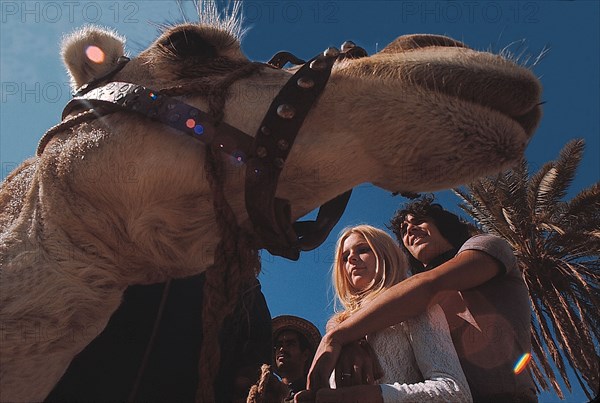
x=188 y=43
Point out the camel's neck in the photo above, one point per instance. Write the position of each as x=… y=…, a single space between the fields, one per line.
x=13 y=193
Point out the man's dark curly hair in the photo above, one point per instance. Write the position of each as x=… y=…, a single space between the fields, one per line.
x=452 y=227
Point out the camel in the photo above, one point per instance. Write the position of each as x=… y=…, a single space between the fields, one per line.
x=423 y=114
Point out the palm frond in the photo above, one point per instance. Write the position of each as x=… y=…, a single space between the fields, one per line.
x=534 y=186
x=553 y=186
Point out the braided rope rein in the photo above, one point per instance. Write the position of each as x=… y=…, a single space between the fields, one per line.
x=236 y=262
x=258 y=391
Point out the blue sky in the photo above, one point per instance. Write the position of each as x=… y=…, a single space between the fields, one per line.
x=34 y=86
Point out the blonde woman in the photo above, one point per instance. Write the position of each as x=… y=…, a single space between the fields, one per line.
x=417 y=357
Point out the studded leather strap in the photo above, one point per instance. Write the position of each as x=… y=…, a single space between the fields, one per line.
x=271 y=216
x=184 y=118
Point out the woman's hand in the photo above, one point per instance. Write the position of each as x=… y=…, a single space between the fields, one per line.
x=323 y=363
x=357 y=365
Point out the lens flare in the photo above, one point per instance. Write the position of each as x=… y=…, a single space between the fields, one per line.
x=95 y=54
x=238 y=157
x=522 y=363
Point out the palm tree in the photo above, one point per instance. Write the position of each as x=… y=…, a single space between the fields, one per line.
x=557 y=244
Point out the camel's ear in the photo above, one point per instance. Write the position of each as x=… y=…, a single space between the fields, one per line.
x=190 y=43
x=90 y=53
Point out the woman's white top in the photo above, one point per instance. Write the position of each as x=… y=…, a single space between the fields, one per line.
x=419 y=361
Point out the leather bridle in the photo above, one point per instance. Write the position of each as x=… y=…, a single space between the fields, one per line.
x=264 y=154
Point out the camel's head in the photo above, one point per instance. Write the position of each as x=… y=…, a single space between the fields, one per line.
x=425 y=113
x=433 y=112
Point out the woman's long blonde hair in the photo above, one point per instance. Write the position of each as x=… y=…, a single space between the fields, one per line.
x=390 y=269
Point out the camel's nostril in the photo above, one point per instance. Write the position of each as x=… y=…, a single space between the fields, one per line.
x=409 y=42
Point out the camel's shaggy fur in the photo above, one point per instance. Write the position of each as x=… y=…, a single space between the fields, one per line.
x=123 y=200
